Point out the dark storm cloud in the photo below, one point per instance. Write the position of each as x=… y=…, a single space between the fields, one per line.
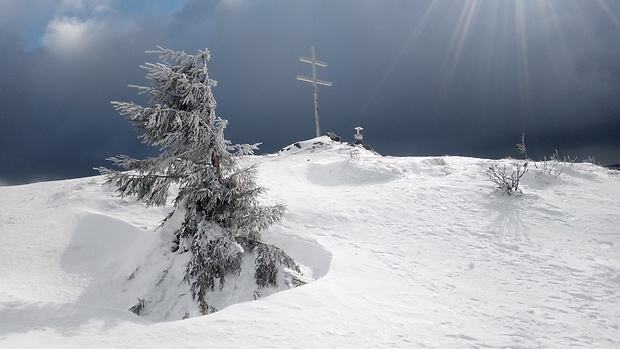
x=422 y=77
x=56 y=117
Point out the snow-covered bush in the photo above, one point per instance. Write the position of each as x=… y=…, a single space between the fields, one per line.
x=508 y=184
x=137 y=309
x=222 y=216
x=551 y=165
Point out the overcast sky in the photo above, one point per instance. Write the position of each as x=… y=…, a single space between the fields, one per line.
x=423 y=77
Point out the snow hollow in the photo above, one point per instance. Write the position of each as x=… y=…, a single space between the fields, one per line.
x=406 y=252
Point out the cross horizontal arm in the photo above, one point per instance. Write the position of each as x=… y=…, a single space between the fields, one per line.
x=308 y=60
x=320 y=82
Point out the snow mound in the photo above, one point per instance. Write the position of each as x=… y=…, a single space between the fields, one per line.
x=312 y=145
x=347 y=172
x=333 y=163
x=302 y=248
x=97 y=242
x=325 y=144
x=90 y=248
x=158 y=278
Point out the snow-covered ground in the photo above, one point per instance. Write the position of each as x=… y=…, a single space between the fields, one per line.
x=415 y=252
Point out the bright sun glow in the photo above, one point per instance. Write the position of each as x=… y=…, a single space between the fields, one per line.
x=499 y=38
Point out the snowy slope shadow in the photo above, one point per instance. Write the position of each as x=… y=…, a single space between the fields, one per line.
x=348 y=172
x=119 y=263
x=67 y=319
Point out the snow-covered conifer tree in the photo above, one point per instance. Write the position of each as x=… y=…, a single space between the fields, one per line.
x=222 y=217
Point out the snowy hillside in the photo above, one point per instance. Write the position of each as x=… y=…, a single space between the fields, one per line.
x=406 y=253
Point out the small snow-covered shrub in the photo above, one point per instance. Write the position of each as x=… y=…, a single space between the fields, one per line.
x=137 y=309
x=554 y=164
x=508 y=184
x=521 y=146
x=550 y=167
x=354 y=155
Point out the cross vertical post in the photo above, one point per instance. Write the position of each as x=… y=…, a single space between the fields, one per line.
x=315 y=82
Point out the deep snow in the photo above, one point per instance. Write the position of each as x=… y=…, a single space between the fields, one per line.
x=413 y=252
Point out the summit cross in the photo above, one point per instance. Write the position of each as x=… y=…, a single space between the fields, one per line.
x=315 y=82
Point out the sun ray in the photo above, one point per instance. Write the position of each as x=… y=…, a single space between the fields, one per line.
x=409 y=42
x=465 y=20
x=504 y=42
x=523 y=72
x=466 y=16
x=612 y=16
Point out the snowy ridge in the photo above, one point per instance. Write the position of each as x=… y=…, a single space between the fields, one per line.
x=318 y=144
x=352 y=164
x=406 y=252
x=325 y=143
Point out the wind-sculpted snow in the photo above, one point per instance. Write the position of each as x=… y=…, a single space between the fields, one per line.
x=352 y=165
x=406 y=253
x=303 y=249
x=101 y=251
x=347 y=172
x=98 y=241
